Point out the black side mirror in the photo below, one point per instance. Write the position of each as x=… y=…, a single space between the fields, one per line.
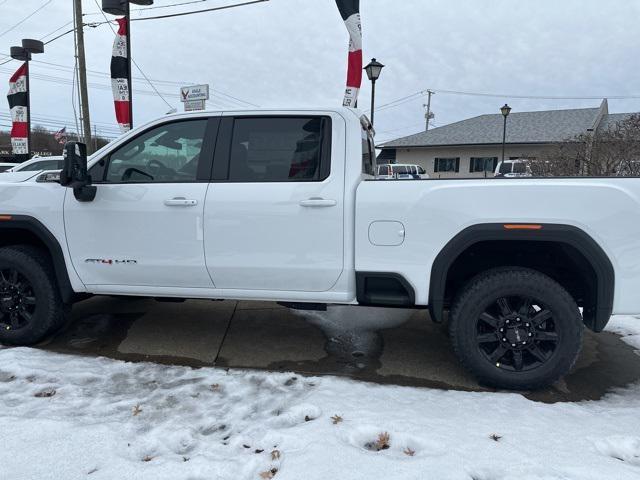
x=74 y=174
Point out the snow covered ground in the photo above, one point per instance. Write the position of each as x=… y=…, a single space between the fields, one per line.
x=66 y=417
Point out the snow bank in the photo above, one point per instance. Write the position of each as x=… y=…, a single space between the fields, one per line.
x=628 y=327
x=66 y=417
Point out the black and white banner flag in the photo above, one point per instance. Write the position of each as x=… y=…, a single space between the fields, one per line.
x=120 y=77
x=350 y=11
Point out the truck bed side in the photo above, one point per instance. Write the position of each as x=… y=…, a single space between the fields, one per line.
x=433 y=212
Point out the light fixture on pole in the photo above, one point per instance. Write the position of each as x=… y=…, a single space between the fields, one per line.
x=122 y=8
x=505 y=110
x=23 y=53
x=374 y=69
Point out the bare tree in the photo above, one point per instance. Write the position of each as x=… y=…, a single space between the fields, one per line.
x=610 y=152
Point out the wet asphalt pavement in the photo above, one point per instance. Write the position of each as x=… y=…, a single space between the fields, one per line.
x=377 y=345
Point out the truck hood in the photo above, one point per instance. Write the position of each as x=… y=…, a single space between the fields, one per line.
x=17 y=177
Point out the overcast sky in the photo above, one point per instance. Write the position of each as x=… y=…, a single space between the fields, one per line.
x=293 y=52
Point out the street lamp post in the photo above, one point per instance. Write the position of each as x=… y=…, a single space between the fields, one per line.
x=123 y=8
x=373 y=72
x=506 y=110
x=24 y=53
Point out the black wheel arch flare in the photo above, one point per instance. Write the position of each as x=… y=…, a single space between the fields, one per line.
x=42 y=233
x=570 y=235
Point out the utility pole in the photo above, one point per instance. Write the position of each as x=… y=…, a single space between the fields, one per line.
x=130 y=70
x=82 y=73
x=429 y=115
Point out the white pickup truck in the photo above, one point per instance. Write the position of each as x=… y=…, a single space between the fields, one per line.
x=285 y=206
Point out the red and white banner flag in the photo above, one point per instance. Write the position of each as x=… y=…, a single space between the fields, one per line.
x=18 y=98
x=350 y=11
x=120 y=76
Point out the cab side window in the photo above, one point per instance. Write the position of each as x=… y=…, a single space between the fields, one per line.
x=168 y=153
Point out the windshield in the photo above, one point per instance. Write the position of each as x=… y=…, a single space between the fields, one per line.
x=46 y=165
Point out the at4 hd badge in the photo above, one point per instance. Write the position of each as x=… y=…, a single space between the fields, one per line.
x=110 y=261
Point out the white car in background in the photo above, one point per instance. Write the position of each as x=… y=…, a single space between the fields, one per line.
x=38 y=164
x=513 y=169
x=399 y=171
x=7 y=166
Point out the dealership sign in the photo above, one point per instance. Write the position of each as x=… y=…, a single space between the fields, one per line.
x=194 y=97
x=196 y=92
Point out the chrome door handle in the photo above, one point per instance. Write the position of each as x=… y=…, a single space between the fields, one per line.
x=318 y=203
x=180 y=202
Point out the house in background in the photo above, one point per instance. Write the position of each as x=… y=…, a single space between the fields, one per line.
x=473 y=147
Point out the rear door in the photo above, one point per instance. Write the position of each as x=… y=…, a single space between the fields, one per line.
x=274 y=214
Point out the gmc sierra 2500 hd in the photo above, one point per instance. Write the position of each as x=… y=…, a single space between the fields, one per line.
x=285 y=206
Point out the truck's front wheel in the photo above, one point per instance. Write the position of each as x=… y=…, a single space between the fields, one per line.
x=516 y=328
x=30 y=304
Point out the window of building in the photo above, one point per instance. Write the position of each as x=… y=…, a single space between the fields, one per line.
x=280 y=149
x=446 y=165
x=483 y=164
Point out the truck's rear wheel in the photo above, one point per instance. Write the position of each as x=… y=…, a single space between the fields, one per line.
x=30 y=304
x=516 y=328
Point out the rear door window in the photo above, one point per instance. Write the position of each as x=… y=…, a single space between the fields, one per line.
x=280 y=149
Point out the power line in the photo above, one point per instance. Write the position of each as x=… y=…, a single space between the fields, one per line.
x=56 y=30
x=154 y=7
x=65 y=81
x=26 y=18
x=194 y=12
x=418 y=95
x=231 y=99
x=539 y=97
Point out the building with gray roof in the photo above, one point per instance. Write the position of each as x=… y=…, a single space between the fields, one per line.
x=473 y=147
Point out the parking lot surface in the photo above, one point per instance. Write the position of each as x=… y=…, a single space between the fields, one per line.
x=376 y=345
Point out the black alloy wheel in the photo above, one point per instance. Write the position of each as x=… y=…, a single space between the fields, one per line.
x=31 y=307
x=517 y=333
x=17 y=300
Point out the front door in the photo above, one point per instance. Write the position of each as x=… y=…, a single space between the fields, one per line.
x=145 y=226
x=275 y=211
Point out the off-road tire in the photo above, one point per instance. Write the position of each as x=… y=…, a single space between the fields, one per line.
x=49 y=315
x=478 y=294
